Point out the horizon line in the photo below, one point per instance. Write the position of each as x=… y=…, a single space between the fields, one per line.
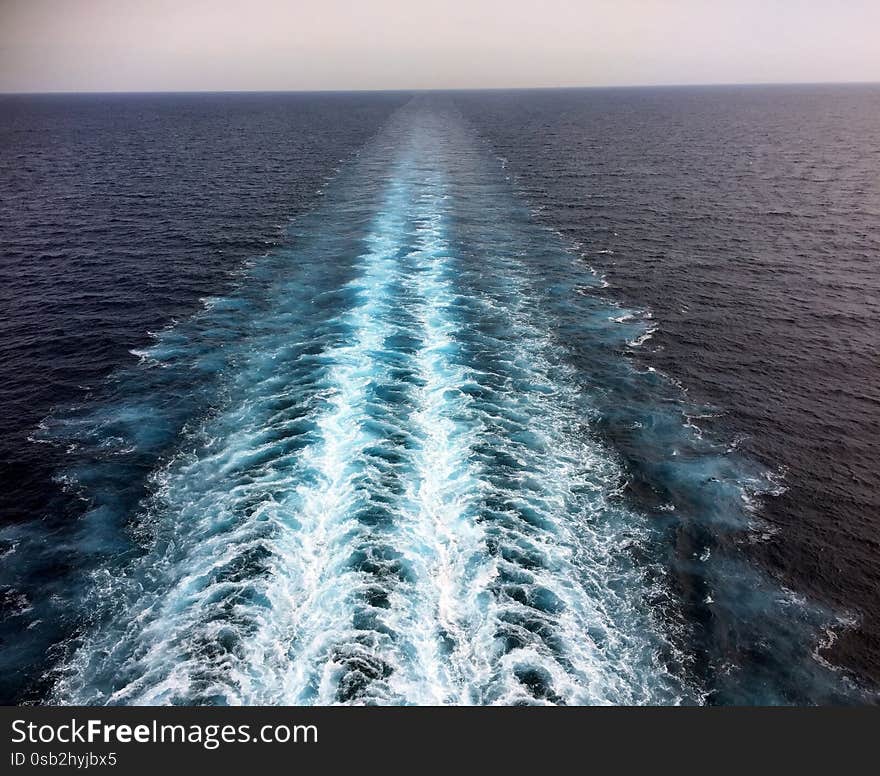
x=72 y=92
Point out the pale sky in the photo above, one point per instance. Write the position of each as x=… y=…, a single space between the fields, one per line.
x=184 y=45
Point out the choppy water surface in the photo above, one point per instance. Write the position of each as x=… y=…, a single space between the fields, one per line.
x=387 y=463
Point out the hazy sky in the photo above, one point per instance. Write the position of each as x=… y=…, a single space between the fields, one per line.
x=131 y=45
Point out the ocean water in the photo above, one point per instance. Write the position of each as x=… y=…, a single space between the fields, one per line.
x=321 y=399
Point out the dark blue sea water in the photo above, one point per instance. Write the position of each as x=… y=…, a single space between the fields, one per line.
x=551 y=397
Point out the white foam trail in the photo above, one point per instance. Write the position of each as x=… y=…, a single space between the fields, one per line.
x=328 y=531
x=446 y=617
x=423 y=525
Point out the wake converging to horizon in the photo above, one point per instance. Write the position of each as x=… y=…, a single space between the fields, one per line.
x=378 y=470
